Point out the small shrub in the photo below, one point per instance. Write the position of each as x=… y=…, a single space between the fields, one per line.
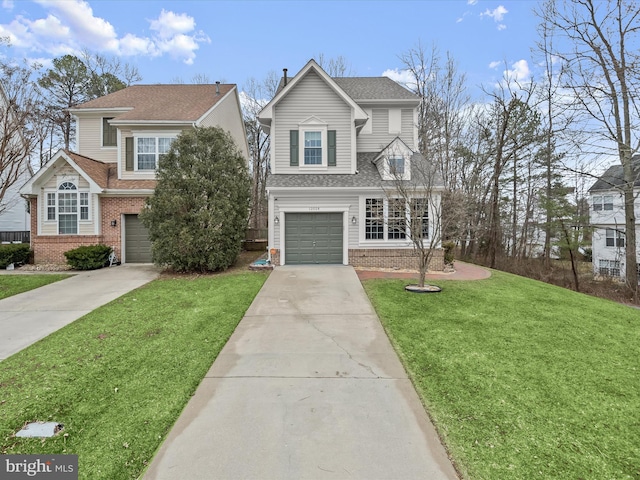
x=588 y=255
x=88 y=257
x=14 y=253
x=449 y=256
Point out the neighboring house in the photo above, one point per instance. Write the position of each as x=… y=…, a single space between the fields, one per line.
x=95 y=195
x=334 y=144
x=14 y=214
x=608 y=221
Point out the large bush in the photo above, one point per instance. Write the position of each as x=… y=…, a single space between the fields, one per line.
x=198 y=213
x=14 y=253
x=88 y=257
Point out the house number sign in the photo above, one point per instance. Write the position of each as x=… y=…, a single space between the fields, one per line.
x=314 y=208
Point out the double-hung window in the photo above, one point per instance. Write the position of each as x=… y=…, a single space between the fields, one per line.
x=420 y=217
x=149 y=151
x=312 y=148
x=614 y=238
x=396 y=166
x=374 y=219
x=602 y=202
x=109 y=133
x=609 y=268
x=397 y=219
x=393 y=219
x=67 y=209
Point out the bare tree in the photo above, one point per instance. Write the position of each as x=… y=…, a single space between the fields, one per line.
x=255 y=95
x=335 y=67
x=601 y=54
x=19 y=107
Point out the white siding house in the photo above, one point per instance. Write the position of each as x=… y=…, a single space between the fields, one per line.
x=607 y=218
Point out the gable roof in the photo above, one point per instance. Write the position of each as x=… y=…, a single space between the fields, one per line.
x=613 y=178
x=159 y=103
x=266 y=114
x=100 y=175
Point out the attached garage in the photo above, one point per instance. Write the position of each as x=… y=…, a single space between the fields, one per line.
x=137 y=246
x=313 y=238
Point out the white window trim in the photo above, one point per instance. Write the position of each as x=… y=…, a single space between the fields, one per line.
x=324 y=139
x=156 y=136
x=384 y=242
x=75 y=179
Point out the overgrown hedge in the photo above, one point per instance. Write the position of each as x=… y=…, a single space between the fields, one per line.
x=14 y=253
x=88 y=257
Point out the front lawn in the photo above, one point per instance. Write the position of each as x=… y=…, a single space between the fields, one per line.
x=118 y=378
x=14 y=284
x=522 y=379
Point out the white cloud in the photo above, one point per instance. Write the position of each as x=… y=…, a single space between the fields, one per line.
x=472 y=2
x=70 y=26
x=494 y=64
x=519 y=72
x=497 y=14
x=401 y=76
x=169 y=24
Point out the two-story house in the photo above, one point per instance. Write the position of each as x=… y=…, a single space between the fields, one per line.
x=607 y=219
x=339 y=147
x=95 y=195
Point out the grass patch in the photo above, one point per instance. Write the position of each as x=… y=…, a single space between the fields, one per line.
x=119 y=377
x=14 y=284
x=523 y=379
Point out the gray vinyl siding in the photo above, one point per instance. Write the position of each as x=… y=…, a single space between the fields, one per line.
x=326 y=202
x=380 y=136
x=312 y=97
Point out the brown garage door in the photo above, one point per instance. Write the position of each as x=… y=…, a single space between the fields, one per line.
x=137 y=246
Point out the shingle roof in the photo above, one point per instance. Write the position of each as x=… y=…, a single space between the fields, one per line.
x=367 y=176
x=614 y=177
x=184 y=103
x=373 y=88
x=106 y=174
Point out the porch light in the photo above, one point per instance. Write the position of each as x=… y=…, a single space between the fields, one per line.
x=114 y=223
x=354 y=220
x=276 y=221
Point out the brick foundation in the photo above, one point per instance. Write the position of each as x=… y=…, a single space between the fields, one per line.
x=51 y=248
x=400 y=258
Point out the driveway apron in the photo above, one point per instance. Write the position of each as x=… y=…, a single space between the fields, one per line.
x=27 y=317
x=308 y=387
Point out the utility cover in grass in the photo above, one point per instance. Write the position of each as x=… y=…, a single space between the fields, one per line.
x=40 y=429
x=425 y=289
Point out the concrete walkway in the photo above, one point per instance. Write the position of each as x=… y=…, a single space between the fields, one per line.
x=27 y=317
x=308 y=387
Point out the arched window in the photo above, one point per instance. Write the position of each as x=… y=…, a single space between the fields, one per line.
x=67 y=209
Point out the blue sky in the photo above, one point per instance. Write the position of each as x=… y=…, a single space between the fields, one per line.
x=233 y=41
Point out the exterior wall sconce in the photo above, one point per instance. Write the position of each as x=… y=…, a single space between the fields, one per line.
x=114 y=223
x=354 y=220
x=276 y=221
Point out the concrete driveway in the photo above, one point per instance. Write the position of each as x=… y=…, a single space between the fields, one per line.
x=32 y=315
x=308 y=387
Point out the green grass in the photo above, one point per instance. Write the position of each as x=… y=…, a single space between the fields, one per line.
x=522 y=379
x=14 y=284
x=119 y=377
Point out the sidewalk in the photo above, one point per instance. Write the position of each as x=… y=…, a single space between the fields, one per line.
x=27 y=317
x=308 y=387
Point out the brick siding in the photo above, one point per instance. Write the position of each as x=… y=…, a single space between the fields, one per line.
x=51 y=248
